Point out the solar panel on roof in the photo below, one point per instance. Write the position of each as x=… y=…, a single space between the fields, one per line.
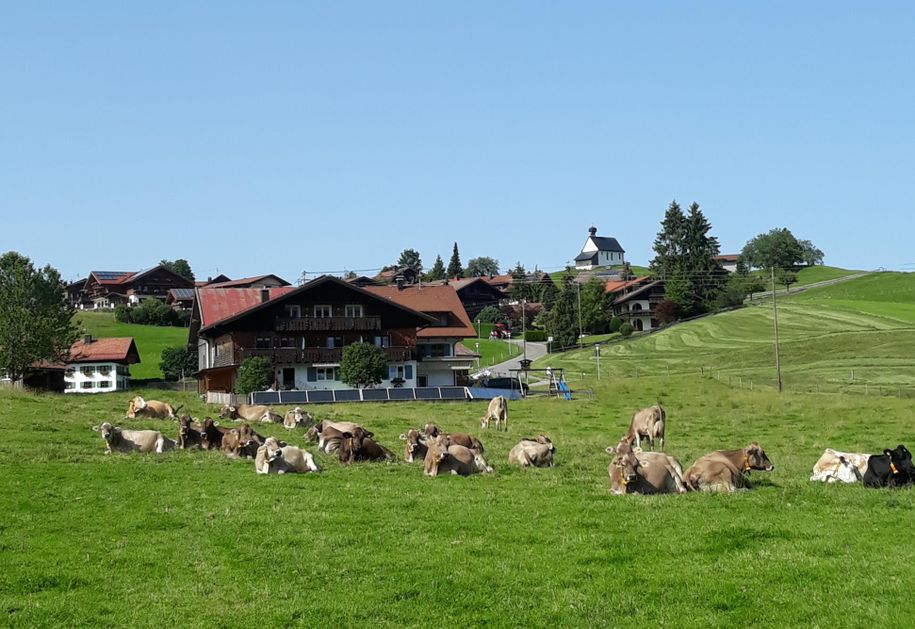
x=110 y=275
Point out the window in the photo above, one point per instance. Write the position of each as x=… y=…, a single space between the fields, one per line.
x=86 y=385
x=383 y=341
x=435 y=350
x=327 y=373
x=354 y=311
x=293 y=311
x=287 y=342
x=104 y=370
x=396 y=371
x=69 y=385
x=104 y=384
x=262 y=342
x=323 y=311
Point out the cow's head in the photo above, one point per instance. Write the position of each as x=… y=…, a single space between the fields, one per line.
x=350 y=446
x=625 y=460
x=435 y=454
x=481 y=464
x=901 y=460
x=755 y=459
x=431 y=430
x=227 y=411
x=311 y=434
x=546 y=441
x=135 y=404
x=107 y=431
x=413 y=445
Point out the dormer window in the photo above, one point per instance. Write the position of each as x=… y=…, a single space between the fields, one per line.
x=293 y=311
x=322 y=311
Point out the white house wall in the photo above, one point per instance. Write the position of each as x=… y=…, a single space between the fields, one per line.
x=85 y=378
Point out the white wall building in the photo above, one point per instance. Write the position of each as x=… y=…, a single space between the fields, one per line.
x=599 y=251
x=100 y=365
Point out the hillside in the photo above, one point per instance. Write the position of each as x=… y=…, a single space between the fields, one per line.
x=866 y=325
x=150 y=339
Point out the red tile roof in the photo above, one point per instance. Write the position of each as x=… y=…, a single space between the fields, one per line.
x=728 y=257
x=116 y=350
x=431 y=300
x=617 y=286
x=217 y=304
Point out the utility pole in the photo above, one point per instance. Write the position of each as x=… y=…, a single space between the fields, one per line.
x=580 y=331
x=778 y=365
x=597 y=355
x=523 y=332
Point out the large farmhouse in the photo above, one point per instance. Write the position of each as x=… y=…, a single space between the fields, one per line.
x=100 y=365
x=599 y=251
x=107 y=289
x=303 y=330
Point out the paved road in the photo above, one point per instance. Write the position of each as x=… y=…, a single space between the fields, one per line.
x=534 y=351
x=801 y=289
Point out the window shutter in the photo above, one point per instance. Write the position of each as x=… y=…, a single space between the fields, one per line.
x=392 y=373
x=408 y=372
x=312 y=374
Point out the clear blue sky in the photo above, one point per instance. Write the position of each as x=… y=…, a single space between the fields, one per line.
x=282 y=136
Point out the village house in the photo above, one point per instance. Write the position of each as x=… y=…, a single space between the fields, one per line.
x=107 y=289
x=475 y=293
x=303 y=330
x=258 y=281
x=599 y=251
x=728 y=261
x=635 y=301
x=443 y=361
x=100 y=365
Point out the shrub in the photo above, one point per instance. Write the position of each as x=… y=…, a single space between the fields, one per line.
x=615 y=324
x=491 y=314
x=363 y=364
x=122 y=313
x=626 y=330
x=538 y=336
x=177 y=361
x=255 y=374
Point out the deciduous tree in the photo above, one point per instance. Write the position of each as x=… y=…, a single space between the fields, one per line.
x=36 y=319
x=483 y=265
x=363 y=364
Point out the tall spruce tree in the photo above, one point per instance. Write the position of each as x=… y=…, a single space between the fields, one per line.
x=454 y=265
x=563 y=318
x=437 y=272
x=669 y=243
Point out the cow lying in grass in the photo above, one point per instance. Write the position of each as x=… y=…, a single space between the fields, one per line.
x=844 y=467
x=456 y=459
x=250 y=412
x=138 y=407
x=328 y=434
x=120 y=440
x=298 y=418
x=727 y=470
x=189 y=434
x=893 y=468
x=416 y=442
x=355 y=448
x=633 y=471
x=274 y=457
x=533 y=452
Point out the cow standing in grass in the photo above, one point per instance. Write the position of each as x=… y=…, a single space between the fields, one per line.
x=648 y=423
x=497 y=411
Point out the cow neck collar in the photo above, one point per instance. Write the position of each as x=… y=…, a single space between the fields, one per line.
x=893 y=467
x=746 y=462
x=623 y=478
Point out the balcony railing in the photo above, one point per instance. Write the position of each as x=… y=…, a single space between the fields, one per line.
x=311 y=355
x=325 y=324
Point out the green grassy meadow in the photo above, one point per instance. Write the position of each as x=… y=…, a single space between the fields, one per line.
x=150 y=339
x=194 y=538
x=865 y=324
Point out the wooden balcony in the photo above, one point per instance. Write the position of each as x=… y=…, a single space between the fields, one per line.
x=312 y=355
x=327 y=324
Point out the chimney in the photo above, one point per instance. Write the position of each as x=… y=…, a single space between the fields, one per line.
x=87 y=339
x=399 y=281
x=265 y=295
x=592 y=230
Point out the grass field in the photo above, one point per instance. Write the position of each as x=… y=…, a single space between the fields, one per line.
x=150 y=339
x=866 y=325
x=193 y=538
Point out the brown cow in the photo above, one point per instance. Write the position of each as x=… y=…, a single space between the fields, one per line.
x=414 y=446
x=297 y=417
x=328 y=434
x=275 y=457
x=497 y=411
x=647 y=423
x=535 y=452
x=250 y=412
x=727 y=470
x=138 y=407
x=122 y=440
x=431 y=430
x=353 y=449
x=189 y=435
x=444 y=458
x=211 y=434
x=633 y=471
x=463 y=439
